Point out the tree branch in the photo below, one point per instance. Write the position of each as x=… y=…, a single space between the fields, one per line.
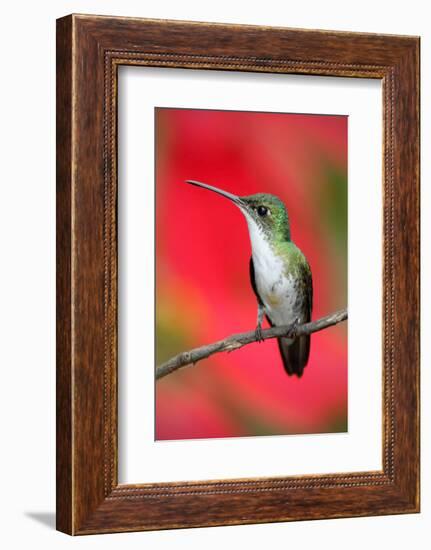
x=237 y=341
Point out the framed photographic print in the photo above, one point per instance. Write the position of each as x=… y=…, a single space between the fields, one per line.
x=237 y=274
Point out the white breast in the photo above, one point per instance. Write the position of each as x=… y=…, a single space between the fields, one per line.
x=276 y=290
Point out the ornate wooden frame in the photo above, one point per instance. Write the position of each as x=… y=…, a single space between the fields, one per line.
x=89 y=51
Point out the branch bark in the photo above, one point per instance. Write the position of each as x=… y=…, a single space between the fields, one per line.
x=237 y=341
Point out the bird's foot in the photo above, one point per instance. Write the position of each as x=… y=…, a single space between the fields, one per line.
x=293 y=329
x=258 y=333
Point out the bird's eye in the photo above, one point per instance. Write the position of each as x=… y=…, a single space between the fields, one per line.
x=262 y=211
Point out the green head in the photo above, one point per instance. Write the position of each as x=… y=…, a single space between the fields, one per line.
x=265 y=212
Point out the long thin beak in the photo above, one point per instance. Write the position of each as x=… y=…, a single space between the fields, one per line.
x=233 y=198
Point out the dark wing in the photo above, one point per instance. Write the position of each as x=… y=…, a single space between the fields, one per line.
x=295 y=356
x=253 y=281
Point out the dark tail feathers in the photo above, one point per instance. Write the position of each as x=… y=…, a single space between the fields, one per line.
x=295 y=356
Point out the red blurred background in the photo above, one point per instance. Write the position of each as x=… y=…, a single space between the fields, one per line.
x=203 y=291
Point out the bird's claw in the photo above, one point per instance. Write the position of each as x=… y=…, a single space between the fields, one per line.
x=258 y=333
x=293 y=329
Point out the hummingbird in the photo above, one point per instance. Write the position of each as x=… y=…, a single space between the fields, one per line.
x=280 y=275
